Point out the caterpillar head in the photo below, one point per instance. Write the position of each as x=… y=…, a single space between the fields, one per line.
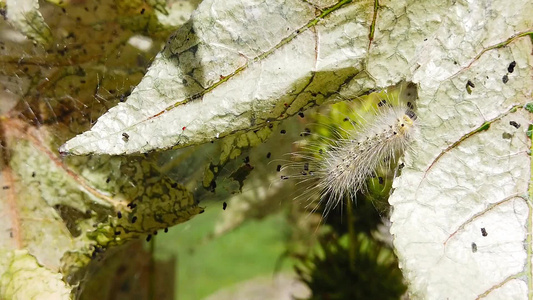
x=406 y=122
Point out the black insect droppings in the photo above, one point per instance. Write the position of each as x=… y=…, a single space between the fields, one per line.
x=301 y=114
x=124 y=96
x=307 y=132
x=149 y=237
x=166 y=230
x=505 y=78
x=283 y=131
x=155 y=232
x=247 y=159
x=410 y=105
x=510 y=69
x=484 y=231
x=5 y=187
x=278 y=168
x=119 y=215
x=125 y=136
x=346 y=119
x=401 y=166
x=117 y=232
x=107 y=180
x=134 y=219
x=270 y=125
x=174 y=185
x=224 y=206
x=202 y=211
x=269 y=154
x=514 y=124
x=470 y=84
x=32 y=174
x=142 y=11
x=381 y=181
x=474 y=247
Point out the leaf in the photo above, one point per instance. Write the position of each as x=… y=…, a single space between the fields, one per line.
x=462 y=215
x=59 y=215
x=82 y=206
x=21 y=268
x=236 y=66
x=25 y=16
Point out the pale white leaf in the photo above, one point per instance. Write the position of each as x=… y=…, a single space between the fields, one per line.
x=462 y=215
x=236 y=65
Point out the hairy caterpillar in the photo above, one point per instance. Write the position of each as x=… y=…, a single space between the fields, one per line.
x=339 y=166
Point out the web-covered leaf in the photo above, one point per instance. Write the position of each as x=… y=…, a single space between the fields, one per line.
x=59 y=214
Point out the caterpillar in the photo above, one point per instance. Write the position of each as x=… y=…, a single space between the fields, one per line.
x=339 y=165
